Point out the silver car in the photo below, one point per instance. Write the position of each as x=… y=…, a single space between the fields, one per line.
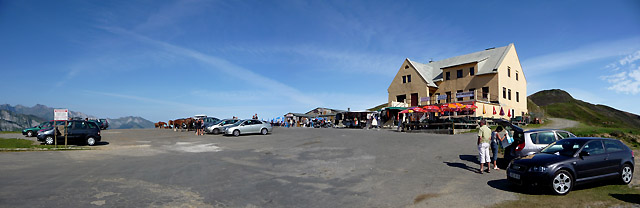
x=250 y=126
x=218 y=127
x=535 y=140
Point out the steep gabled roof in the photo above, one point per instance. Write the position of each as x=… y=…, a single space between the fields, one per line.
x=487 y=60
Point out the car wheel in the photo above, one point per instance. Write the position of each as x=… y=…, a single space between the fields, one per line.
x=236 y=132
x=264 y=131
x=91 y=141
x=626 y=174
x=48 y=140
x=562 y=182
x=216 y=131
x=29 y=133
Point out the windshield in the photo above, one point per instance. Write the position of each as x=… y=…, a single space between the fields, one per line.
x=566 y=147
x=238 y=123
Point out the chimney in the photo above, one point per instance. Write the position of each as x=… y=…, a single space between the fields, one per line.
x=348 y=109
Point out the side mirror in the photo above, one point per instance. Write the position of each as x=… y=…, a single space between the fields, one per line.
x=584 y=153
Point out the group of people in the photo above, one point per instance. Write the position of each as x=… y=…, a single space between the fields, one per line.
x=488 y=139
x=199 y=127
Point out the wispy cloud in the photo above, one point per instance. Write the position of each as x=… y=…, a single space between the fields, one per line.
x=627 y=81
x=561 y=60
x=222 y=65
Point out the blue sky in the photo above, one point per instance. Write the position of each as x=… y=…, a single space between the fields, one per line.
x=168 y=59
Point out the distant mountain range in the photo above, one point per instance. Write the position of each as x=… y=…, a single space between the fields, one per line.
x=13 y=118
x=560 y=104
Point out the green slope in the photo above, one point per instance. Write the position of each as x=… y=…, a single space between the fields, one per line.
x=560 y=104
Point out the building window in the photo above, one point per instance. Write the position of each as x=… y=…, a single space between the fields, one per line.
x=404 y=79
x=458 y=92
x=485 y=92
x=508 y=71
x=472 y=71
x=438 y=95
x=448 y=97
x=504 y=93
x=516 y=76
x=459 y=73
x=408 y=78
x=517 y=96
x=474 y=92
x=406 y=67
x=401 y=98
x=509 y=94
x=448 y=76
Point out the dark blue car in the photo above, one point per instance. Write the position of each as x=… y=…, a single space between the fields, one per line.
x=567 y=162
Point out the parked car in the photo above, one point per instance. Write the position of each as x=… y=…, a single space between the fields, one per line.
x=104 y=124
x=534 y=140
x=85 y=132
x=250 y=126
x=218 y=127
x=567 y=162
x=33 y=131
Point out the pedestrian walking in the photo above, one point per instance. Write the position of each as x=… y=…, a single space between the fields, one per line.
x=484 y=137
x=495 y=140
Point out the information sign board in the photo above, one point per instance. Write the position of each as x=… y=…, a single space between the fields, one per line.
x=60 y=114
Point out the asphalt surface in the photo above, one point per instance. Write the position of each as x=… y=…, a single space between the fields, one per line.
x=296 y=167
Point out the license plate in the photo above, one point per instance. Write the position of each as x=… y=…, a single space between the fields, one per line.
x=514 y=175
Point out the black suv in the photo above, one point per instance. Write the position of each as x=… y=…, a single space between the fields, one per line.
x=84 y=132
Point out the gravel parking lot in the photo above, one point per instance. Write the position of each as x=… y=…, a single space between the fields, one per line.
x=295 y=167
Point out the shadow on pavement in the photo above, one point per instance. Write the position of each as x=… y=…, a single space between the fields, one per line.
x=504 y=185
x=470 y=158
x=629 y=198
x=461 y=165
x=100 y=143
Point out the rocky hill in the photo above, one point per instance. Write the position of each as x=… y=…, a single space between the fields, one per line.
x=10 y=121
x=130 y=122
x=558 y=103
x=13 y=118
x=39 y=110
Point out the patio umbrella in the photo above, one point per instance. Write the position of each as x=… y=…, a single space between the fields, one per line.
x=494 y=110
x=509 y=115
x=431 y=108
x=404 y=111
x=501 y=111
x=470 y=107
x=483 y=110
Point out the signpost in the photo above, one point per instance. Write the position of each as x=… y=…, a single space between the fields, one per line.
x=60 y=115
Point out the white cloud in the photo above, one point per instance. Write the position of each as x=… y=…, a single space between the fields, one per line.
x=561 y=60
x=628 y=80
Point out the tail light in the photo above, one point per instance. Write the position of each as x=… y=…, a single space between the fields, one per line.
x=520 y=147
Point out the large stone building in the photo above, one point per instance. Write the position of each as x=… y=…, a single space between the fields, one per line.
x=490 y=79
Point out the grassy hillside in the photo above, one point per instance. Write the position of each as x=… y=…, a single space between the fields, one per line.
x=559 y=104
x=378 y=107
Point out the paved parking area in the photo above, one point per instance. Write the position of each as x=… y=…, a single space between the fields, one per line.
x=295 y=167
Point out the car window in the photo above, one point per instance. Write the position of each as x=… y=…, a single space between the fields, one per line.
x=564 y=134
x=612 y=146
x=566 y=147
x=534 y=138
x=545 y=138
x=593 y=148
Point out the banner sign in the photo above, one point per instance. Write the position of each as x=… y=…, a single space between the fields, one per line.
x=464 y=94
x=442 y=97
x=424 y=99
x=60 y=114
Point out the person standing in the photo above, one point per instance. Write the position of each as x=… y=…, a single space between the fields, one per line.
x=484 y=136
x=495 y=140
